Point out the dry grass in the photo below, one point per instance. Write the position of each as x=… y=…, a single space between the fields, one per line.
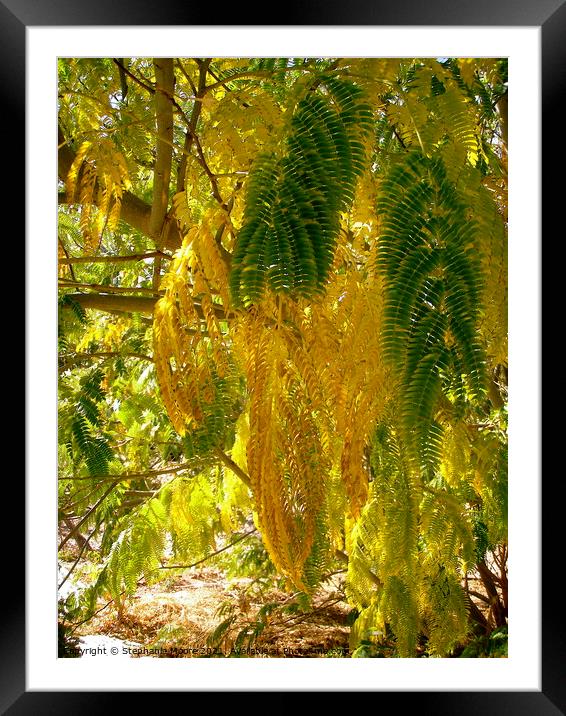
x=175 y=619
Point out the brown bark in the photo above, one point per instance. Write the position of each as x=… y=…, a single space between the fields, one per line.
x=477 y=616
x=497 y=608
x=81 y=541
x=502 y=110
x=236 y=469
x=104 y=288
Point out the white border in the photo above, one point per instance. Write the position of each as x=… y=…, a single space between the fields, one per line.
x=522 y=670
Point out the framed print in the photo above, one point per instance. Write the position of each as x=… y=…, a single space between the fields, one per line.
x=249 y=224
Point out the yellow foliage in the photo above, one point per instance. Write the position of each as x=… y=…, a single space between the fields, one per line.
x=316 y=381
x=187 y=329
x=99 y=174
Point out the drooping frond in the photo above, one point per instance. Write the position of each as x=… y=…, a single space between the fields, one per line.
x=98 y=176
x=444 y=611
x=179 y=520
x=190 y=349
x=342 y=338
x=408 y=553
x=285 y=458
x=292 y=216
x=428 y=256
x=84 y=422
x=489 y=208
x=384 y=539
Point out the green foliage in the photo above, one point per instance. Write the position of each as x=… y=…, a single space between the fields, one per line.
x=217 y=428
x=179 y=519
x=241 y=631
x=406 y=558
x=492 y=645
x=248 y=558
x=429 y=259
x=67 y=645
x=86 y=439
x=293 y=203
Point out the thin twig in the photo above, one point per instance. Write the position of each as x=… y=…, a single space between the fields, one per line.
x=133 y=475
x=113 y=259
x=76 y=625
x=85 y=518
x=298 y=619
x=75 y=357
x=85 y=544
x=124 y=69
x=213 y=554
x=193 y=121
x=186 y=75
x=66 y=260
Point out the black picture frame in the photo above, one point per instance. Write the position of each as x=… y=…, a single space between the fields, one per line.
x=550 y=16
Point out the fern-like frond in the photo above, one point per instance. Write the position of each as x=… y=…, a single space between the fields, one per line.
x=193 y=367
x=178 y=524
x=88 y=440
x=409 y=551
x=444 y=611
x=99 y=176
x=292 y=216
x=428 y=256
x=285 y=459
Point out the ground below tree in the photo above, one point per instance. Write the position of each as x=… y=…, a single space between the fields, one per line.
x=176 y=619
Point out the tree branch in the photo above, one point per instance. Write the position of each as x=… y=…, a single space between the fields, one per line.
x=88 y=514
x=479 y=596
x=164 y=86
x=65 y=261
x=186 y=75
x=133 y=475
x=136 y=79
x=343 y=557
x=261 y=74
x=193 y=121
x=82 y=549
x=112 y=259
x=501 y=105
x=236 y=469
x=477 y=615
x=105 y=288
x=212 y=178
x=118 y=303
x=69 y=359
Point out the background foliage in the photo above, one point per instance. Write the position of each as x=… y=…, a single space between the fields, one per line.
x=283 y=312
